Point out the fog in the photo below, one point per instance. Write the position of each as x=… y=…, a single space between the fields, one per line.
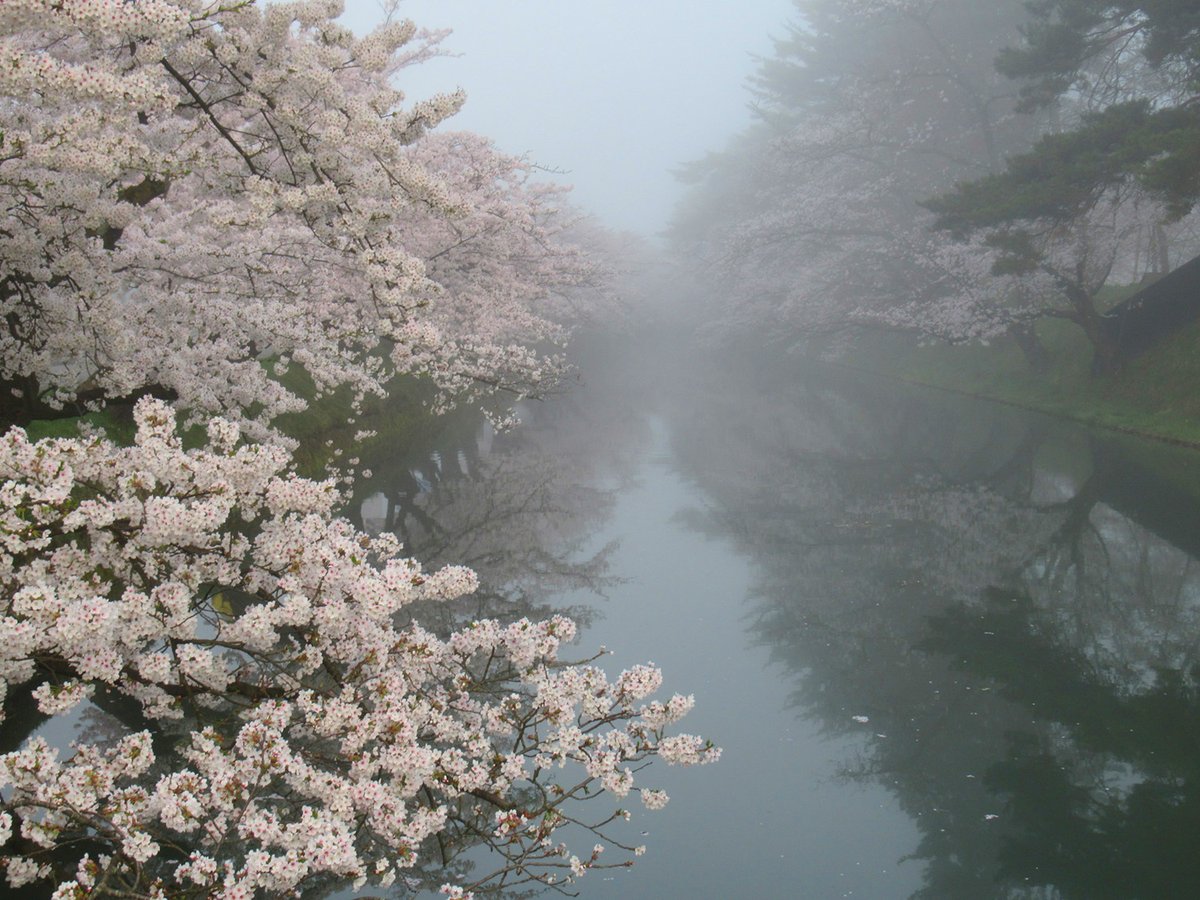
x=916 y=622
x=932 y=635
x=369 y=456
x=614 y=94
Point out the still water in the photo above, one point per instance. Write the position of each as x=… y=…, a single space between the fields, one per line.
x=949 y=648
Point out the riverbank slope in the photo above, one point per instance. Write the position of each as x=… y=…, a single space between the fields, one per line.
x=1153 y=395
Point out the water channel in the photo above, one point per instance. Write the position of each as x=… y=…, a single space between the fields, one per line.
x=949 y=647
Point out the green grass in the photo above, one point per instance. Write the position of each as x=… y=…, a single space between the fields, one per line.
x=1153 y=395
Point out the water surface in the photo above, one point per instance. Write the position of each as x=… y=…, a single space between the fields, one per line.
x=949 y=648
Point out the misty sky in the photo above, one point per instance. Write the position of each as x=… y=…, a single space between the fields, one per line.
x=614 y=92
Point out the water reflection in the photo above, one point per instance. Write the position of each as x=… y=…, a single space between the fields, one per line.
x=1005 y=610
x=518 y=516
x=520 y=507
x=989 y=615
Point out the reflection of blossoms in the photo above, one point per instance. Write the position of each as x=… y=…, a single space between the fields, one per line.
x=520 y=515
x=214 y=588
x=981 y=599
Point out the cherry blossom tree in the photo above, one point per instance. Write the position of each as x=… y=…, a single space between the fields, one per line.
x=196 y=196
x=809 y=224
x=295 y=727
x=817 y=224
x=1111 y=184
x=191 y=188
x=1052 y=219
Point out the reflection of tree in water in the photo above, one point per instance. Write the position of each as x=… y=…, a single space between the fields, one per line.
x=522 y=518
x=1025 y=652
x=1102 y=796
x=521 y=508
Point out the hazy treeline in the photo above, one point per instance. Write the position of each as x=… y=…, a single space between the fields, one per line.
x=947 y=169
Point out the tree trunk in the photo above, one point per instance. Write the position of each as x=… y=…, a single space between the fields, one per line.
x=1031 y=346
x=1106 y=354
x=1162 y=258
x=26 y=405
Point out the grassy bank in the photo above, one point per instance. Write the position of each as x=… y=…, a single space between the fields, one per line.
x=1154 y=395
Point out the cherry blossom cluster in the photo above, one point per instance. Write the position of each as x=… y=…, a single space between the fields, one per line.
x=195 y=191
x=291 y=723
x=957 y=297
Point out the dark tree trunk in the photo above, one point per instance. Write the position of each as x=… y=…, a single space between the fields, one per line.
x=1106 y=355
x=1031 y=347
x=26 y=405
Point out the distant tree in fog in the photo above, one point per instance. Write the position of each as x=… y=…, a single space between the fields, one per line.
x=810 y=221
x=1068 y=129
x=1080 y=205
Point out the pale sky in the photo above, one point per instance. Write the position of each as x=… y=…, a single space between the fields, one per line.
x=615 y=92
